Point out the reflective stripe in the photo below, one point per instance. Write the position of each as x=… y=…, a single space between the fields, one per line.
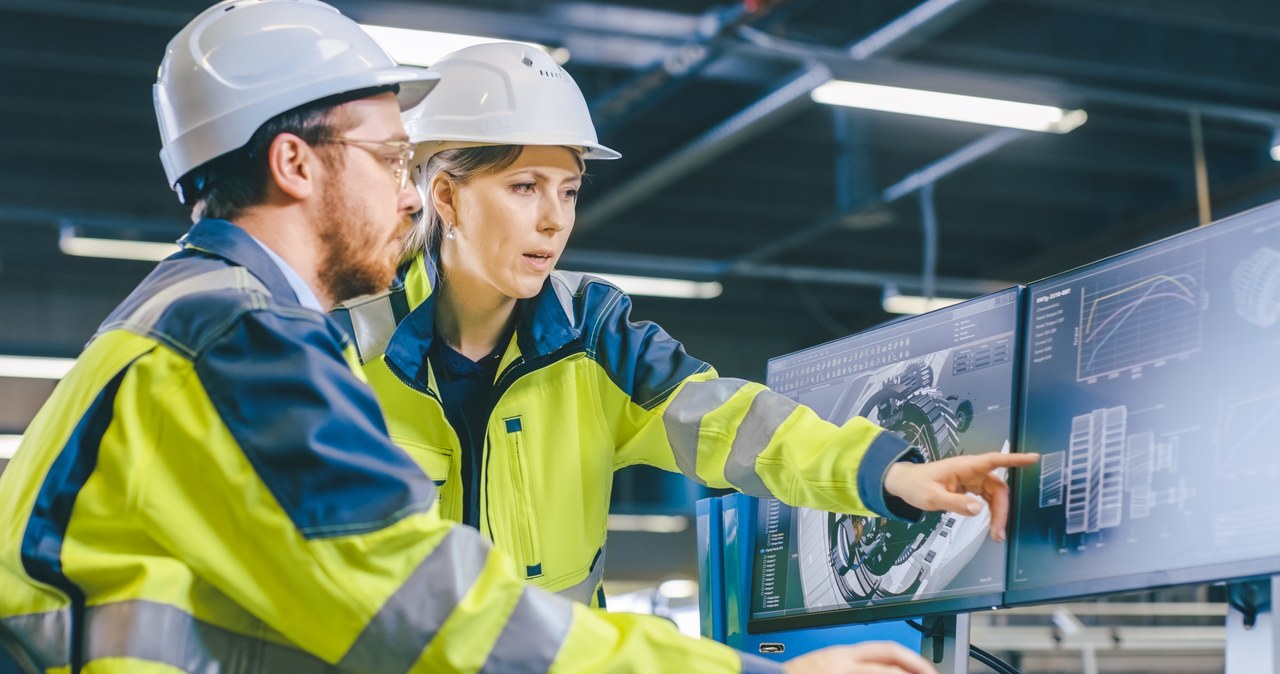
x=46 y=636
x=565 y=284
x=683 y=418
x=395 y=638
x=585 y=591
x=532 y=636
x=372 y=322
x=166 y=634
x=146 y=316
x=768 y=411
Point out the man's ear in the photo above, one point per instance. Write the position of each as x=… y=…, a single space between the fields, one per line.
x=443 y=193
x=292 y=165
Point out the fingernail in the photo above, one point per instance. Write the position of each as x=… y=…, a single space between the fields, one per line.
x=973 y=508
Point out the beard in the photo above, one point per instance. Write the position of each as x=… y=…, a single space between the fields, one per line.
x=356 y=257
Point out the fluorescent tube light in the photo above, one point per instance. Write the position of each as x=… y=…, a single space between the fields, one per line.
x=32 y=367
x=664 y=287
x=912 y=304
x=425 y=47
x=119 y=249
x=9 y=445
x=678 y=588
x=949 y=106
x=654 y=524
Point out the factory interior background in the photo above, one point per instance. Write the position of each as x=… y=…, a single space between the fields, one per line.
x=790 y=222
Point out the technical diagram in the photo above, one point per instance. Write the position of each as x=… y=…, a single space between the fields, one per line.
x=945 y=383
x=1255 y=284
x=877 y=557
x=1051 y=482
x=1129 y=321
x=1146 y=457
x=1103 y=467
x=1246 y=435
x=1095 y=465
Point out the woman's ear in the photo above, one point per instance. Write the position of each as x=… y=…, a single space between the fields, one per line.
x=291 y=165
x=443 y=192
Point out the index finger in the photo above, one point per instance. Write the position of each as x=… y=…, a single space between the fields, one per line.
x=993 y=460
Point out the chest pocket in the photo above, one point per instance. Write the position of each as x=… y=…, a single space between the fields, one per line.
x=525 y=517
x=436 y=462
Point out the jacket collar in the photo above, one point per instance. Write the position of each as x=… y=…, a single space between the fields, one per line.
x=542 y=324
x=226 y=240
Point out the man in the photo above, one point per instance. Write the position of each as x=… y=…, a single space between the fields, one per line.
x=212 y=488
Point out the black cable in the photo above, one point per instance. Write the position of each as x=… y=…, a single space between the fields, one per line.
x=991 y=661
x=976 y=653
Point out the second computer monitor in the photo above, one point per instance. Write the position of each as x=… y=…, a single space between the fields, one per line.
x=945 y=381
x=1153 y=397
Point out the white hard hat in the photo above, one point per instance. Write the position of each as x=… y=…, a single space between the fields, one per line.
x=242 y=62
x=502 y=93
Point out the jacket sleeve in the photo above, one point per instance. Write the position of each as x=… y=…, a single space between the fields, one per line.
x=273 y=482
x=668 y=409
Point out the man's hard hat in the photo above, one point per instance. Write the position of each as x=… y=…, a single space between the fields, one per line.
x=502 y=93
x=242 y=62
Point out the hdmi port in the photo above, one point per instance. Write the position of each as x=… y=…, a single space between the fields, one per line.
x=772 y=647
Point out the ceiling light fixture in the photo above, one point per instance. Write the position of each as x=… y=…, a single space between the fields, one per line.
x=654 y=524
x=664 y=287
x=9 y=445
x=35 y=367
x=1275 y=145
x=71 y=243
x=678 y=588
x=425 y=47
x=990 y=111
x=895 y=303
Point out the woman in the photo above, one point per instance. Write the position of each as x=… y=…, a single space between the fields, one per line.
x=521 y=389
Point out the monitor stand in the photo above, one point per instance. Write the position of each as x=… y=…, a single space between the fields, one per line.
x=945 y=642
x=1253 y=633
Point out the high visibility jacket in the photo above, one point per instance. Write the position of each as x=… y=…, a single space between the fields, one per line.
x=582 y=391
x=211 y=489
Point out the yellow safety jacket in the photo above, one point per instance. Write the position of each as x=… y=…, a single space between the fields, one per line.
x=212 y=489
x=582 y=391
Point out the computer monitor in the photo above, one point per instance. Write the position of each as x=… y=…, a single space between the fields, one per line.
x=1152 y=393
x=944 y=380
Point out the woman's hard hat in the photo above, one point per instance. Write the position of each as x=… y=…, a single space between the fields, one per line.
x=502 y=93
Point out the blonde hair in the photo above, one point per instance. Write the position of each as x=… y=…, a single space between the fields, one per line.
x=461 y=165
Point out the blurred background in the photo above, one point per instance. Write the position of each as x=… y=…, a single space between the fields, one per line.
x=778 y=222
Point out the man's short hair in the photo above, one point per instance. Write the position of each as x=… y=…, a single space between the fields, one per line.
x=237 y=180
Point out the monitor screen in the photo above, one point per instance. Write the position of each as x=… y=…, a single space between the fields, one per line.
x=1152 y=383
x=945 y=381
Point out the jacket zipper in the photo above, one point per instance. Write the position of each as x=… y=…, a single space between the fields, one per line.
x=526 y=518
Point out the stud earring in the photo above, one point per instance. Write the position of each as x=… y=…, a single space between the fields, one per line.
x=449 y=234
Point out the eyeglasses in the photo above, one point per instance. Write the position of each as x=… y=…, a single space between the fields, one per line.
x=397 y=164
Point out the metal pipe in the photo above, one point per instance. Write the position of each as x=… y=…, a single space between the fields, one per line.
x=755 y=118
x=659 y=81
x=908 y=184
x=701 y=269
x=918 y=24
x=929 y=221
x=1202 y=171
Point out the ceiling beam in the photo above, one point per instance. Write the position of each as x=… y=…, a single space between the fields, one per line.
x=108 y=12
x=779 y=104
x=907 y=185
